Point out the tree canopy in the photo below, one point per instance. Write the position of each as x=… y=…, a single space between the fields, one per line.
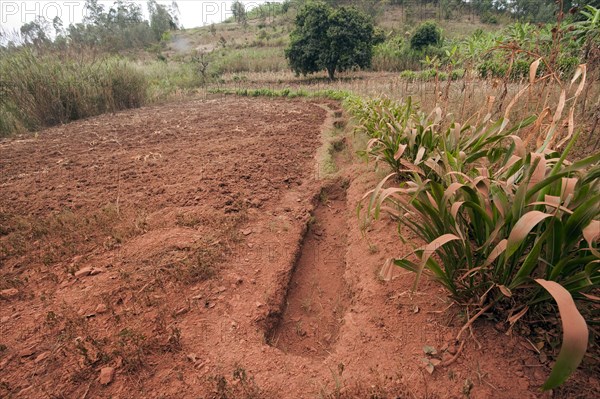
x=330 y=39
x=114 y=28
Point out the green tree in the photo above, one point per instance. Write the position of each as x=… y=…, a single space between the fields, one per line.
x=239 y=12
x=330 y=39
x=36 y=32
x=162 y=18
x=427 y=34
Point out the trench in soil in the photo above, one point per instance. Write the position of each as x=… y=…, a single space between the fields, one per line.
x=317 y=295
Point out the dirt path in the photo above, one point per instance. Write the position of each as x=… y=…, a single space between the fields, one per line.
x=196 y=250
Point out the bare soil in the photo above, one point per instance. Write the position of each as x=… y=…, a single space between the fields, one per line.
x=195 y=250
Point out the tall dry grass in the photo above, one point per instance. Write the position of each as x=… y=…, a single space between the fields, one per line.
x=44 y=90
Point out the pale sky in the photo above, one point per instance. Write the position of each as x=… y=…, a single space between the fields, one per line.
x=193 y=13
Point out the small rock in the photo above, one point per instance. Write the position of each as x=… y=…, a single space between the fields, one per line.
x=218 y=290
x=181 y=311
x=107 y=374
x=101 y=308
x=9 y=293
x=192 y=357
x=41 y=357
x=5 y=319
x=247 y=232
x=85 y=271
x=66 y=283
x=259 y=305
x=27 y=352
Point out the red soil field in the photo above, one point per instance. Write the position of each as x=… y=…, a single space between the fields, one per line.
x=195 y=250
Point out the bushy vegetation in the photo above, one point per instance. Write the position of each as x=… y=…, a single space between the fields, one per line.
x=398 y=54
x=427 y=34
x=499 y=54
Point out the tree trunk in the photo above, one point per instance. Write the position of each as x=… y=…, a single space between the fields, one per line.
x=330 y=72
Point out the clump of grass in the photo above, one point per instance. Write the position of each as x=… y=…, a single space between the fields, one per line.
x=132 y=347
x=241 y=385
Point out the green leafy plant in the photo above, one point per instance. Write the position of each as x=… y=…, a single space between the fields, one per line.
x=408 y=140
x=503 y=230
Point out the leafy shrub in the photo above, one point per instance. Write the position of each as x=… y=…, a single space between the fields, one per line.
x=489 y=18
x=409 y=75
x=427 y=34
x=567 y=64
x=428 y=74
x=389 y=55
x=457 y=74
x=520 y=69
x=492 y=69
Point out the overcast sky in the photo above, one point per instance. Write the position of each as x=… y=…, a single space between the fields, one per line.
x=14 y=13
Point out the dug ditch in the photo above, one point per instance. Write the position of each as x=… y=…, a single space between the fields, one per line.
x=317 y=295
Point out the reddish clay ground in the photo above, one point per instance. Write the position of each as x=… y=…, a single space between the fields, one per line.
x=188 y=251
